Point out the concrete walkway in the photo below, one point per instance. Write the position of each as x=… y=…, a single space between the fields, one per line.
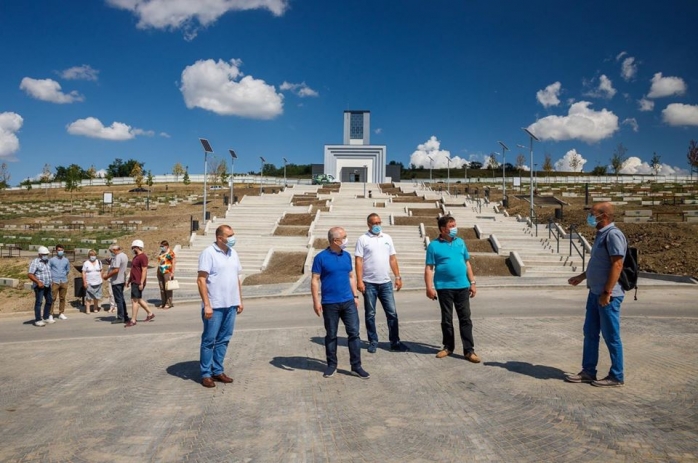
x=84 y=390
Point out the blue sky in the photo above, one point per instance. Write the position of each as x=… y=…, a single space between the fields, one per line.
x=86 y=82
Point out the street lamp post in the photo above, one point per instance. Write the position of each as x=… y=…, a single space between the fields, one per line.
x=533 y=137
x=207 y=149
x=504 y=177
x=365 y=178
x=285 y=162
x=431 y=166
x=233 y=157
x=261 y=175
x=448 y=178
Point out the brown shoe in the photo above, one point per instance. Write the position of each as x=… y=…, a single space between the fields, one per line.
x=223 y=378
x=472 y=357
x=443 y=353
x=208 y=382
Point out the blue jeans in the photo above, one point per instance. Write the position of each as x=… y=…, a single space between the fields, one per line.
x=118 y=292
x=347 y=312
x=214 y=341
x=384 y=293
x=607 y=321
x=41 y=294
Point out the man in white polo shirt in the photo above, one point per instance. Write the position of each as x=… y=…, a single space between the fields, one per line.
x=374 y=258
x=220 y=289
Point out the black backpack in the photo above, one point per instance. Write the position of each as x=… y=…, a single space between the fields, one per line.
x=630 y=272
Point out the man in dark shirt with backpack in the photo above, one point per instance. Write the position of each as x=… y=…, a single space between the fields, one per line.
x=604 y=299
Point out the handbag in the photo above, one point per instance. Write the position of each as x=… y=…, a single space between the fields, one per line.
x=171 y=284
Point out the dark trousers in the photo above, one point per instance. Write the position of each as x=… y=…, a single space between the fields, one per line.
x=42 y=294
x=347 y=312
x=118 y=292
x=460 y=299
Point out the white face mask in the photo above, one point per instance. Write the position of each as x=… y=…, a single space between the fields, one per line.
x=93 y=258
x=343 y=245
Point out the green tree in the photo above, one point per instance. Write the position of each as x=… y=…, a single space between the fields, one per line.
x=26 y=183
x=177 y=170
x=185 y=179
x=4 y=176
x=74 y=174
x=599 y=171
x=655 y=163
x=619 y=158
x=62 y=173
x=109 y=178
x=692 y=156
x=91 y=173
x=119 y=168
x=149 y=179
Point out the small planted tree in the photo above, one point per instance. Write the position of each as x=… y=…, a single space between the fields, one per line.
x=692 y=157
x=655 y=163
x=619 y=158
x=548 y=164
x=137 y=174
x=4 y=176
x=177 y=170
x=109 y=178
x=149 y=179
x=185 y=179
x=91 y=173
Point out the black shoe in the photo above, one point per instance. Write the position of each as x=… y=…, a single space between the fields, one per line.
x=117 y=321
x=329 y=372
x=372 y=348
x=360 y=372
x=399 y=347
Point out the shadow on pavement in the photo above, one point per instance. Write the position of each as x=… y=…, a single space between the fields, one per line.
x=298 y=363
x=528 y=369
x=185 y=370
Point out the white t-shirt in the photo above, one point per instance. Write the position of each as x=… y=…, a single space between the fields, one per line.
x=93 y=272
x=375 y=250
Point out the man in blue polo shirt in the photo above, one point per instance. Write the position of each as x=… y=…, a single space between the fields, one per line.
x=448 y=274
x=332 y=268
x=220 y=289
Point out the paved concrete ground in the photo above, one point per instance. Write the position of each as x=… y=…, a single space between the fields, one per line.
x=86 y=390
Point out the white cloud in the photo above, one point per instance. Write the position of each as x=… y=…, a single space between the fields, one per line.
x=632 y=122
x=680 y=114
x=645 y=104
x=570 y=162
x=581 y=123
x=432 y=147
x=84 y=72
x=604 y=90
x=628 y=69
x=164 y=135
x=302 y=90
x=10 y=123
x=666 y=86
x=191 y=15
x=378 y=131
x=214 y=86
x=48 y=90
x=549 y=96
x=93 y=128
x=636 y=166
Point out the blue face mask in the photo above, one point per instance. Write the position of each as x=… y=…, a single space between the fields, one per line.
x=591 y=220
x=453 y=232
x=59 y=253
x=376 y=229
x=231 y=242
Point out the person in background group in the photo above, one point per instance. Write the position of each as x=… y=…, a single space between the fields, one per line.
x=137 y=279
x=117 y=278
x=220 y=288
x=40 y=275
x=332 y=269
x=603 y=300
x=92 y=282
x=166 y=268
x=60 y=268
x=375 y=257
x=448 y=273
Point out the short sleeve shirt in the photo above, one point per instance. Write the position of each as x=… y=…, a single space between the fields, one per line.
x=93 y=272
x=609 y=241
x=375 y=250
x=223 y=272
x=334 y=270
x=449 y=261
x=137 y=264
x=165 y=260
x=41 y=271
x=119 y=261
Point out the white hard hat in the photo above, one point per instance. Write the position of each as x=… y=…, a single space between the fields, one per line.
x=137 y=244
x=43 y=250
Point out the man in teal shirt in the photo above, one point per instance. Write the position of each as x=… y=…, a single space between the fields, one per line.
x=448 y=274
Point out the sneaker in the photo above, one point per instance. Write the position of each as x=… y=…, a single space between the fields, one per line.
x=150 y=317
x=399 y=347
x=329 y=371
x=608 y=382
x=472 y=357
x=360 y=372
x=581 y=377
x=117 y=321
x=50 y=319
x=39 y=323
x=372 y=347
x=130 y=324
x=443 y=353
x=62 y=317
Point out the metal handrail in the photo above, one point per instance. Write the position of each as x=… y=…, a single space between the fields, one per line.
x=583 y=253
x=534 y=220
x=557 y=234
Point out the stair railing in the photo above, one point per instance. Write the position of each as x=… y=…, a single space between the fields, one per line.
x=554 y=232
x=583 y=252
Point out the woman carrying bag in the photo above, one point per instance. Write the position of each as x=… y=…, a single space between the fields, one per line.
x=166 y=268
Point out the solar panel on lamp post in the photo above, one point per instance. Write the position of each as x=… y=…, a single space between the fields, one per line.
x=533 y=137
x=504 y=177
x=285 y=162
x=207 y=149
x=233 y=157
x=261 y=175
